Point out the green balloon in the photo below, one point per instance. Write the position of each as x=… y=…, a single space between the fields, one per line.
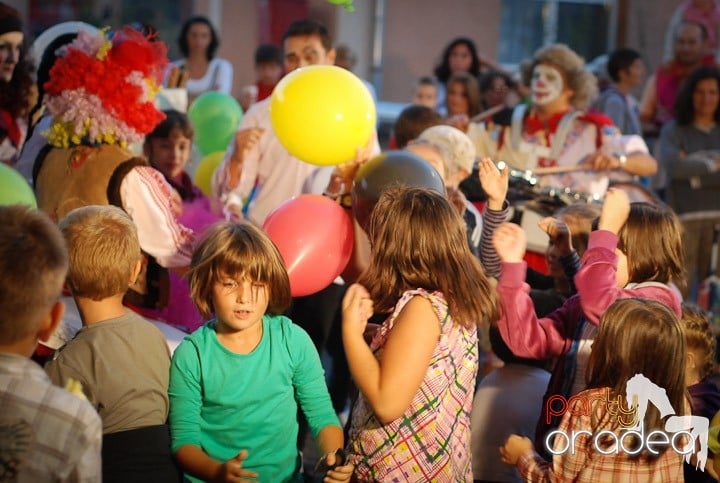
x=14 y=190
x=215 y=117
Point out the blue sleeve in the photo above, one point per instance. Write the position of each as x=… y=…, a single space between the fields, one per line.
x=309 y=381
x=185 y=393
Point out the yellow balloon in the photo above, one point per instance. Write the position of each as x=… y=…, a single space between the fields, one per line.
x=205 y=169
x=322 y=114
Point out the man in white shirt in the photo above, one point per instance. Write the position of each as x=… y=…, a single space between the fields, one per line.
x=256 y=156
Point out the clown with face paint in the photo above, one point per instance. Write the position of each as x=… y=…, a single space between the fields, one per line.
x=553 y=137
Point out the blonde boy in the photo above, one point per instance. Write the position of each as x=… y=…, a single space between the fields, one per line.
x=48 y=434
x=121 y=360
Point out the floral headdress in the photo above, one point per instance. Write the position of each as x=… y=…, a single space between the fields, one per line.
x=101 y=90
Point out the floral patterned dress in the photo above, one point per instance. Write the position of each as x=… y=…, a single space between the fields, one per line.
x=431 y=440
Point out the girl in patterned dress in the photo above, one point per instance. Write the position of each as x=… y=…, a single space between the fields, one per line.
x=417 y=377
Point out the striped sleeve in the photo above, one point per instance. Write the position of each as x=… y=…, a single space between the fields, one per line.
x=488 y=256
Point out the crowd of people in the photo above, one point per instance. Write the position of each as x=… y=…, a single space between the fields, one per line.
x=440 y=353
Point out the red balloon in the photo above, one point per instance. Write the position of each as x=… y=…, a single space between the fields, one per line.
x=315 y=238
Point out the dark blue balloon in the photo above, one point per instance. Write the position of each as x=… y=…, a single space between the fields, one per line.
x=390 y=169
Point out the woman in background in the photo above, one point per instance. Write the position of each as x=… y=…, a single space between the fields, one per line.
x=690 y=144
x=199 y=42
x=16 y=85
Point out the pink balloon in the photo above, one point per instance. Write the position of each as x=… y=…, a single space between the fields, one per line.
x=315 y=238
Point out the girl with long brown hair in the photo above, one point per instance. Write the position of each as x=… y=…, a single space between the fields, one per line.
x=417 y=377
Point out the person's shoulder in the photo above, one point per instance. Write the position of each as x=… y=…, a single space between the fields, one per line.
x=596 y=118
x=81 y=347
x=259 y=107
x=422 y=301
x=283 y=324
x=223 y=63
x=610 y=96
x=142 y=324
x=195 y=344
x=257 y=115
x=289 y=332
x=669 y=127
x=202 y=334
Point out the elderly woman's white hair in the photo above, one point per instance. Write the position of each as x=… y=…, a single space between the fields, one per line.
x=457 y=148
x=581 y=81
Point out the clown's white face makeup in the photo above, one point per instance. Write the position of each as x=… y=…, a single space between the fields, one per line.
x=546 y=84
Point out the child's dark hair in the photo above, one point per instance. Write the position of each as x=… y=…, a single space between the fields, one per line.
x=684 y=106
x=442 y=71
x=486 y=80
x=173 y=120
x=238 y=250
x=632 y=334
x=652 y=240
x=699 y=337
x=412 y=121
x=269 y=53
x=305 y=27
x=619 y=60
x=183 y=41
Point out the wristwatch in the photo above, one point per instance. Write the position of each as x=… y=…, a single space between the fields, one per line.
x=622 y=158
x=343 y=199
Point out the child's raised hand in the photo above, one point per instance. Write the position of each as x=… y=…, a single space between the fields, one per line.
x=245 y=139
x=559 y=234
x=344 y=174
x=232 y=470
x=510 y=242
x=514 y=447
x=494 y=183
x=357 y=308
x=615 y=210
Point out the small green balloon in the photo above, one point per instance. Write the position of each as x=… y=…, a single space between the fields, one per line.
x=215 y=117
x=348 y=4
x=14 y=190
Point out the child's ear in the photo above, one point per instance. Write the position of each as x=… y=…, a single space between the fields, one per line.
x=135 y=273
x=690 y=359
x=51 y=321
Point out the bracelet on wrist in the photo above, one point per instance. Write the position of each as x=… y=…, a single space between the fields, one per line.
x=343 y=199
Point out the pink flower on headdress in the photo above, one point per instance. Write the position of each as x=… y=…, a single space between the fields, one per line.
x=102 y=92
x=89 y=43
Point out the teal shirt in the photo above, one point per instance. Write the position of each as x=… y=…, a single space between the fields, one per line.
x=225 y=402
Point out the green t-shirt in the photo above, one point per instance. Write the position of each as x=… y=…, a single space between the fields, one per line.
x=225 y=402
